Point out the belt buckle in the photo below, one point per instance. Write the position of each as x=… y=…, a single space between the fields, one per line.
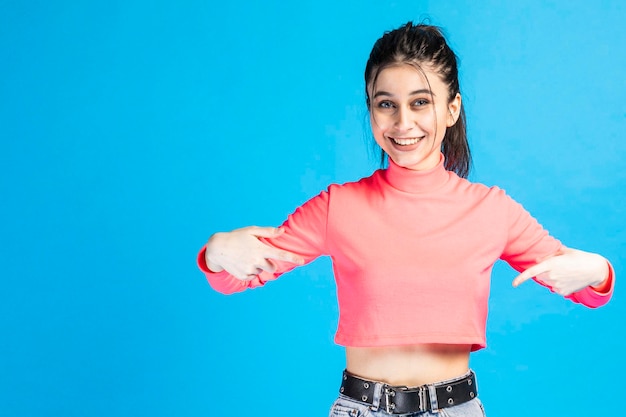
x=389 y=392
x=421 y=393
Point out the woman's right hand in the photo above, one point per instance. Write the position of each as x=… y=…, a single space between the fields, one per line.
x=242 y=254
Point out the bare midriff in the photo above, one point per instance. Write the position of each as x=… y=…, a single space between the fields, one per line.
x=409 y=366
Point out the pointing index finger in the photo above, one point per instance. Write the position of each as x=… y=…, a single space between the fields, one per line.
x=533 y=271
x=283 y=255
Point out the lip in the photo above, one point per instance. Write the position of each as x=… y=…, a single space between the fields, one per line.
x=405 y=141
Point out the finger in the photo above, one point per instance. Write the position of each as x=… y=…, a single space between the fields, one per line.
x=242 y=276
x=530 y=272
x=266 y=231
x=246 y=278
x=283 y=255
x=248 y=274
x=265 y=265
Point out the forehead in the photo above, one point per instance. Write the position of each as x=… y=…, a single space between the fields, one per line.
x=408 y=77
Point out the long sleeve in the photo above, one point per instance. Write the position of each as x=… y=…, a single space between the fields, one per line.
x=592 y=298
x=305 y=235
x=529 y=242
x=409 y=243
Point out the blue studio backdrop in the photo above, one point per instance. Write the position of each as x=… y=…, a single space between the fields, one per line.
x=130 y=131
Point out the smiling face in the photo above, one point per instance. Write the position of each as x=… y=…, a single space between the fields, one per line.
x=410 y=110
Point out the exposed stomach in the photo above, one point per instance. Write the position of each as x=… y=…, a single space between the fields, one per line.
x=409 y=366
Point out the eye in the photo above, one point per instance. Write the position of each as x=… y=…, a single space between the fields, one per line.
x=420 y=102
x=385 y=104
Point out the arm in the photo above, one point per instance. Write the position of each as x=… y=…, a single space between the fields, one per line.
x=232 y=261
x=582 y=277
x=243 y=254
x=249 y=257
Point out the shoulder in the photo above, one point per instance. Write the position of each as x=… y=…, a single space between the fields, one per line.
x=477 y=189
x=342 y=193
x=356 y=187
x=494 y=198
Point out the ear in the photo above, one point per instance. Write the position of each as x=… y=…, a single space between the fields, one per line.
x=454 y=110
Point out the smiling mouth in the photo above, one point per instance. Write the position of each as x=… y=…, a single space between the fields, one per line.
x=405 y=141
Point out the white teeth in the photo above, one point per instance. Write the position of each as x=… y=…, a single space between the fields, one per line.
x=410 y=141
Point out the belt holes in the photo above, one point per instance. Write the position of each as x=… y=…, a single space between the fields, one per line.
x=469 y=382
x=364 y=398
x=471 y=395
x=450 y=401
x=366 y=385
x=342 y=390
x=449 y=388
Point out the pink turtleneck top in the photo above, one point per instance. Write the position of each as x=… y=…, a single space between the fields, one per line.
x=412 y=254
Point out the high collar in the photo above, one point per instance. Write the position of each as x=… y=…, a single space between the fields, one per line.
x=411 y=181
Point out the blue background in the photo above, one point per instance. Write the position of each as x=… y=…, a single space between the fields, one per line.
x=131 y=131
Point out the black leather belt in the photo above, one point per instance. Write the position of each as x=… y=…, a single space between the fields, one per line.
x=402 y=400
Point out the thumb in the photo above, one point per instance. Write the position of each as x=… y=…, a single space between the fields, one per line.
x=266 y=231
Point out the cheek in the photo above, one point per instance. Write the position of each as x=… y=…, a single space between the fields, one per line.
x=377 y=129
x=429 y=120
x=440 y=121
x=377 y=132
x=373 y=121
x=380 y=122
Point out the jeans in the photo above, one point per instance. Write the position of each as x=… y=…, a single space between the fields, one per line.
x=348 y=407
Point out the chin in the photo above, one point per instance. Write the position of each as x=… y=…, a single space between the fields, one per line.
x=409 y=163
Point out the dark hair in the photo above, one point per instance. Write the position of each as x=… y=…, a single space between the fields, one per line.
x=425 y=44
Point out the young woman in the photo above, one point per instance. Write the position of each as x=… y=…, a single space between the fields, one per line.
x=412 y=246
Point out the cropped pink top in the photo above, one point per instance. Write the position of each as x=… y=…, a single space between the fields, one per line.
x=412 y=254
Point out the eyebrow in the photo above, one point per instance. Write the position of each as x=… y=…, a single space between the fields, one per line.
x=412 y=93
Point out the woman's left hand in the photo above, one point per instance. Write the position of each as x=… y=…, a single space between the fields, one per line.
x=568 y=271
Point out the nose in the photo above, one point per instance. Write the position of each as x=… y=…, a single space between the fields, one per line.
x=404 y=119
